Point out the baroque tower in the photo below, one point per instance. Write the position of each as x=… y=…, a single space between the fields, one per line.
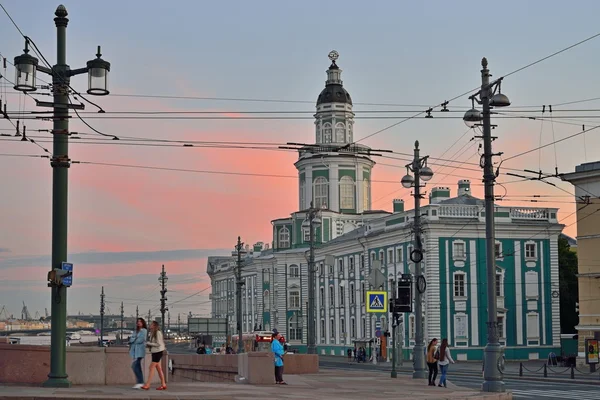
x=335 y=173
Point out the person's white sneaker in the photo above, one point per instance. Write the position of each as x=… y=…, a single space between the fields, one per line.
x=138 y=386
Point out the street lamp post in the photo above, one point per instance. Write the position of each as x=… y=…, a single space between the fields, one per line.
x=421 y=171
x=395 y=315
x=163 y=300
x=489 y=98
x=312 y=221
x=26 y=67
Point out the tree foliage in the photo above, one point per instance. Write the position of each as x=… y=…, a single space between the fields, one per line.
x=569 y=288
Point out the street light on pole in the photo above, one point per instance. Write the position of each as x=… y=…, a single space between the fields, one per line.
x=311 y=222
x=421 y=171
x=490 y=96
x=26 y=67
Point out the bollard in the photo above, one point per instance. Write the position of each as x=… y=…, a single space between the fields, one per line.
x=545 y=370
x=520 y=369
x=572 y=372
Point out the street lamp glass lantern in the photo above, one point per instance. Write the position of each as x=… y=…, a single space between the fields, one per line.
x=499 y=100
x=407 y=181
x=426 y=173
x=98 y=70
x=25 y=71
x=472 y=117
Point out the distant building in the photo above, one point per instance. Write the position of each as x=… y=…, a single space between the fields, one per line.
x=586 y=180
x=275 y=294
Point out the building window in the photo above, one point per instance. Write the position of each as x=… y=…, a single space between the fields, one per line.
x=364 y=327
x=327 y=133
x=322 y=295
x=321 y=192
x=342 y=295
x=390 y=259
x=373 y=256
x=331 y=296
x=352 y=293
x=321 y=269
x=331 y=270
x=460 y=327
x=531 y=284
x=322 y=328
x=500 y=321
x=265 y=276
x=294 y=271
x=351 y=267
x=498 y=250
x=266 y=300
x=533 y=326
x=295 y=328
x=346 y=193
x=362 y=262
x=499 y=291
x=459 y=285
x=458 y=251
x=294 y=299
x=302 y=194
x=530 y=251
x=284 y=238
x=352 y=327
x=381 y=257
x=399 y=255
x=366 y=194
x=341 y=265
x=332 y=327
x=363 y=294
x=342 y=326
x=340 y=135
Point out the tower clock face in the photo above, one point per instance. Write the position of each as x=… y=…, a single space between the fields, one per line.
x=333 y=55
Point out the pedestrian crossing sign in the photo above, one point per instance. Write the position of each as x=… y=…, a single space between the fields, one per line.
x=376 y=302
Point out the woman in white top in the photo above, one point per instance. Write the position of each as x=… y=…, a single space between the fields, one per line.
x=444 y=360
x=157 y=347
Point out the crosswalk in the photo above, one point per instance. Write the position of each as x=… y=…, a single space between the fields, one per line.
x=557 y=394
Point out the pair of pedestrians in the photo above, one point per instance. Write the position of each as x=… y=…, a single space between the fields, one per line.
x=438 y=357
x=138 y=344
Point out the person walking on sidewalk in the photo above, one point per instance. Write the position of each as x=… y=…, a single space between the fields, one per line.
x=444 y=360
x=157 y=348
x=432 y=357
x=278 y=352
x=137 y=351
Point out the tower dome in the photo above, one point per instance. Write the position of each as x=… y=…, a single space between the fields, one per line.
x=334 y=91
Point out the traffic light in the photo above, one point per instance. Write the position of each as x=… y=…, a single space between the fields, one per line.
x=403 y=301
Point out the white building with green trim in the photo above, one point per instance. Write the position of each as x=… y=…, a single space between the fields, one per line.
x=275 y=294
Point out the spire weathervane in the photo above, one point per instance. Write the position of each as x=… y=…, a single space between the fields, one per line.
x=333 y=55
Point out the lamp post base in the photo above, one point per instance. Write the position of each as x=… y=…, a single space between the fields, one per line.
x=492 y=374
x=57 y=383
x=420 y=370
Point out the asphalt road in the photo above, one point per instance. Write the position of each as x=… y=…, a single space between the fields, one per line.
x=469 y=375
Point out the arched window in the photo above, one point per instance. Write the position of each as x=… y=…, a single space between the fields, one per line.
x=284 y=238
x=266 y=300
x=366 y=194
x=294 y=299
x=327 y=133
x=322 y=296
x=346 y=193
x=321 y=192
x=340 y=133
x=302 y=194
x=294 y=271
x=319 y=133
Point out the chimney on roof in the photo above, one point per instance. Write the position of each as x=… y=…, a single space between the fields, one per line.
x=464 y=187
x=439 y=194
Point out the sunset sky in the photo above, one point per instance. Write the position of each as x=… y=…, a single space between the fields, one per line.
x=124 y=223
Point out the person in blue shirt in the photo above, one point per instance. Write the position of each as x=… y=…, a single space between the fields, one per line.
x=137 y=351
x=277 y=349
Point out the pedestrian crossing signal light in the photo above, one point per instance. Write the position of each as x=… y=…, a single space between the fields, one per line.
x=403 y=301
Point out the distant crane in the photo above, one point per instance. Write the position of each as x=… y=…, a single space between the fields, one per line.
x=4 y=314
x=46 y=310
x=25 y=313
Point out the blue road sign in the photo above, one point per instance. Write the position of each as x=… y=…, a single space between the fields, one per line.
x=378 y=333
x=376 y=302
x=67 y=280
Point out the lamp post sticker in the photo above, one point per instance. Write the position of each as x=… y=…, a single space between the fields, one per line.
x=377 y=302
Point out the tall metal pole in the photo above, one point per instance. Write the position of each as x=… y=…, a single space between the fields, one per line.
x=419 y=348
x=492 y=376
x=149 y=316
x=312 y=334
x=238 y=293
x=60 y=178
x=137 y=315
x=394 y=373
x=179 y=324
x=163 y=281
x=102 y=317
x=122 y=318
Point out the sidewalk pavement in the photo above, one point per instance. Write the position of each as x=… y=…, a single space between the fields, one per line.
x=327 y=385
